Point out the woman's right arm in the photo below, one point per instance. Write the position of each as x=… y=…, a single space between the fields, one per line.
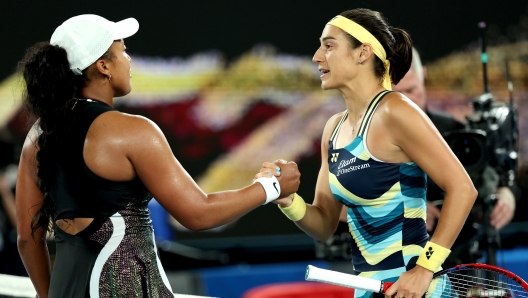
x=322 y=217
x=34 y=252
x=166 y=179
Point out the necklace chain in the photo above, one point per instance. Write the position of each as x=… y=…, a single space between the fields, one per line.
x=359 y=115
x=354 y=124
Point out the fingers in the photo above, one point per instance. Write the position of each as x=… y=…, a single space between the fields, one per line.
x=433 y=213
x=262 y=174
x=394 y=292
x=429 y=223
x=268 y=167
x=279 y=161
x=391 y=291
x=411 y=284
x=290 y=178
x=501 y=215
x=284 y=202
x=432 y=210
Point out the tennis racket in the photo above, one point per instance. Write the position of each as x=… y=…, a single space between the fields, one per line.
x=467 y=280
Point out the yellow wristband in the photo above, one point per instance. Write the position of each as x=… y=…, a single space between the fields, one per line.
x=432 y=256
x=296 y=210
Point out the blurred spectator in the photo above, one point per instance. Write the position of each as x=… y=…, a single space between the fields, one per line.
x=10 y=262
x=413 y=86
x=522 y=203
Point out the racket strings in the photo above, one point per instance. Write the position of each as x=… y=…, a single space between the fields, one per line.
x=474 y=284
x=500 y=282
x=473 y=289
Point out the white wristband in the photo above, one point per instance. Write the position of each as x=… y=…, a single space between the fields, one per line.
x=271 y=187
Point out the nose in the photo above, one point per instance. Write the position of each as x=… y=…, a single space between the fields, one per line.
x=317 y=57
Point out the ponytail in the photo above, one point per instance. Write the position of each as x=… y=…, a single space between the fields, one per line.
x=50 y=89
x=401 y=54
x=396 y=42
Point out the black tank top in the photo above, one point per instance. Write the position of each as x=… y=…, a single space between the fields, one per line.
x=79 y=192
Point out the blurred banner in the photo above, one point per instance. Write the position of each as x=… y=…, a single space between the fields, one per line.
x=223 y=120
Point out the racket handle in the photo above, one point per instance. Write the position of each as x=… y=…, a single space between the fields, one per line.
x=346 y=280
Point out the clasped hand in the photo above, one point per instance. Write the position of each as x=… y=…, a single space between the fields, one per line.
x=411 y=284
x=288 y=175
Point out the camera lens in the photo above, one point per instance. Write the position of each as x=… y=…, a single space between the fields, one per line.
x=468 y=151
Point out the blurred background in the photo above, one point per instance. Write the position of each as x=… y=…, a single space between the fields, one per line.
x=231 y=84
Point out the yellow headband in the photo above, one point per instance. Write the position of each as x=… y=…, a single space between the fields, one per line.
x=364 y=36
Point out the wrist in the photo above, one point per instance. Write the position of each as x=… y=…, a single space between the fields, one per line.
x=271 y=188
x=287 y=201
x=296 y=210
x=423 y=270
x=432 y=256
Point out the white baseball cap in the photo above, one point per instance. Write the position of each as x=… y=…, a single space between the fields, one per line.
x=87 y=37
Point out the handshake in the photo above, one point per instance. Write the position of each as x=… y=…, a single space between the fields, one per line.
x=280 y=179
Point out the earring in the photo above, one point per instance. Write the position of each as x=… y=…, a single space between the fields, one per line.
x=109 y=77
x=360 y=61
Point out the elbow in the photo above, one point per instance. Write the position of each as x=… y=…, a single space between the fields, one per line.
x=194 y=226
x=21 y=244
x=24 y=243
x=197 y=222
x=466 y=191
x=472 y=191
x=323 y=238
x=198 y=226
x=322 y=235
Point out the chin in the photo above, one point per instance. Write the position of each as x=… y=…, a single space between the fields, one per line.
x=123 y=92
x=326 y=86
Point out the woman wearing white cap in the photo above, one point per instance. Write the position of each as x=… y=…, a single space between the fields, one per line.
x=374 y=158
x=91 y=170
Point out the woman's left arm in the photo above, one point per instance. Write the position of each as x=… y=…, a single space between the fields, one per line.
x=419 y=140
x=32 y=248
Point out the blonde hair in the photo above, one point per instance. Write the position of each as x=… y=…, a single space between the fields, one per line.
x=416 y=65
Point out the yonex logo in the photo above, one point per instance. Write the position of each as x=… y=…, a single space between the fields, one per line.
x=429 y=252
x=334 y=157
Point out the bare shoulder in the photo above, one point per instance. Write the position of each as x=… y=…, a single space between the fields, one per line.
x=28 y=156
x=126 y=125
x=396 y=107
x=332 y=123
x=30 y=146
x=130 y=133
x=329 y=128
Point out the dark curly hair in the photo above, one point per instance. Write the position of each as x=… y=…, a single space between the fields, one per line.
x=50 y=93
x=396 y=42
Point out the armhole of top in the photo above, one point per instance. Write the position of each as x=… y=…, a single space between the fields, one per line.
x=93 y=116
x=365 y=133
x=337 y=129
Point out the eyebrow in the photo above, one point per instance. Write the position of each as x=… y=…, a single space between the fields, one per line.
x=327 y=38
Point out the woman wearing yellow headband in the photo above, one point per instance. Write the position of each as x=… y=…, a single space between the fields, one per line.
x=375 y=156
